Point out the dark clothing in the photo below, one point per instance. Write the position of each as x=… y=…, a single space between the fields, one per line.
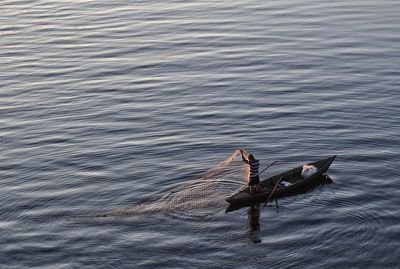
x=254 y=181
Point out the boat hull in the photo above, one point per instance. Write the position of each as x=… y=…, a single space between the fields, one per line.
x=299 y=185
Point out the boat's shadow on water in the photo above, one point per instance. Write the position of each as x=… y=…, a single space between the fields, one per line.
x=253 y=211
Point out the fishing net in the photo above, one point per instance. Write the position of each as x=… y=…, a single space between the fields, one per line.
x=207 y=194
x=202 y=196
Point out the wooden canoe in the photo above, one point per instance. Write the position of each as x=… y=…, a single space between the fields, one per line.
x=298 y=184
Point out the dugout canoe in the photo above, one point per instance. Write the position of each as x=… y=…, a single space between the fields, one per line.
x=298 y=184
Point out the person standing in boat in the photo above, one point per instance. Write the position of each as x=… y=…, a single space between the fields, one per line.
x=254 y=178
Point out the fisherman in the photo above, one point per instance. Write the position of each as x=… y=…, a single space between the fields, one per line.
x=254 y=178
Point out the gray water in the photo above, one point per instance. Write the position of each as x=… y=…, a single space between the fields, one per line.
x=107 y=105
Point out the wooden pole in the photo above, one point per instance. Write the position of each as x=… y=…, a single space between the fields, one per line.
x=274 y=162
x=273 y=190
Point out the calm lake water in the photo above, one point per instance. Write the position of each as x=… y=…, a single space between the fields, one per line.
x=107 y=106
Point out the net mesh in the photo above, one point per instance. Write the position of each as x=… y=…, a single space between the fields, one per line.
x=199 y=197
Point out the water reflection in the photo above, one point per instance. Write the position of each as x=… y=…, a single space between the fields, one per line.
x=254 y=214
x=253 y=223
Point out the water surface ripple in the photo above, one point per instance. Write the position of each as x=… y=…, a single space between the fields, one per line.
x=105 y=105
